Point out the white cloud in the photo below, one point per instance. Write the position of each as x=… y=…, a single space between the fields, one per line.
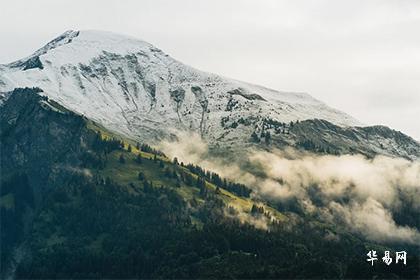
x=356 y=192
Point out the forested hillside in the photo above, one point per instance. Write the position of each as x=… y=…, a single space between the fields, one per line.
x=78 y=201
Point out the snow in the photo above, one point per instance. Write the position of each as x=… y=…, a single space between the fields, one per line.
x=125 y=84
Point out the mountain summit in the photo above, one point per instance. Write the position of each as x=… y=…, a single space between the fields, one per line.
x=133 y=88
x=117 y=79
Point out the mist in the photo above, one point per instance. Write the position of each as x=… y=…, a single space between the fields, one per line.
x=361 y=194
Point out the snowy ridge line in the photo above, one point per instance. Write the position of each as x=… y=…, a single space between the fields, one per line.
x=128 y=85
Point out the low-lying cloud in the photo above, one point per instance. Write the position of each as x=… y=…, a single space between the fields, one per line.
x=362 y=194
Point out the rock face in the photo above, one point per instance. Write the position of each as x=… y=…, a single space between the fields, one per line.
x=132 y=88
x=322 y=136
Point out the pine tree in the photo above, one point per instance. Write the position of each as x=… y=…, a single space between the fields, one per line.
x=147 y=186
x=167 y=172
x=122 y=159
x=203 y=190
x=188 y=179
x=257 y=210
x=267 y=138
x=254 y=209
x=139 y=159
x=255 y=137
x=175 y=160
x=200 y=182
x=141 y=176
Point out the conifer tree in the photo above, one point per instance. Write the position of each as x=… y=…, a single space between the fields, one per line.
x=139 y=159
x=175 y=160
x=141 y=176
x=267 y=138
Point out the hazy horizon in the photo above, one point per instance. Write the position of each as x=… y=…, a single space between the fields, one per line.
x=361 y=57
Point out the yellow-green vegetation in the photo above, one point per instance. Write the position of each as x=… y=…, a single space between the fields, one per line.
x=127 y=174
x=105 y=134
x=153 y=167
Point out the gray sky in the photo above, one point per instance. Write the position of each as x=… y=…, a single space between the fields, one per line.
x=360 y=56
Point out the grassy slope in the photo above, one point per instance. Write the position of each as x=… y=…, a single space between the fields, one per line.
x=127 y=174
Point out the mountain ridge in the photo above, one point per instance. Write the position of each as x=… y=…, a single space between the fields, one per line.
x=80 y=48
x=133 y=88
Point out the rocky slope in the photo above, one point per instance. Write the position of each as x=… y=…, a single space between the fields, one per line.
x=133 y=88
x=321 y=136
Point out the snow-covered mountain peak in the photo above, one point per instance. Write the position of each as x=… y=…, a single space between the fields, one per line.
x=134 y=88
x=90 y=44
x=81 y=46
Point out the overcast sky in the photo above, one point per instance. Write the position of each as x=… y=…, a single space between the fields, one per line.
x=362 y=57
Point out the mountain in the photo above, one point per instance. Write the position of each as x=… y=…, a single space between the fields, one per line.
x=79 y=202
x=85 y=193
x=133 y=88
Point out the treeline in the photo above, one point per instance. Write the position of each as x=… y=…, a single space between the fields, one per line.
x=199 y=180
x=218 y=181
x=148 y=149
x=149 y=234
x=102 y=146
x=309 y=145
x=27 y=90
x=105 y=145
